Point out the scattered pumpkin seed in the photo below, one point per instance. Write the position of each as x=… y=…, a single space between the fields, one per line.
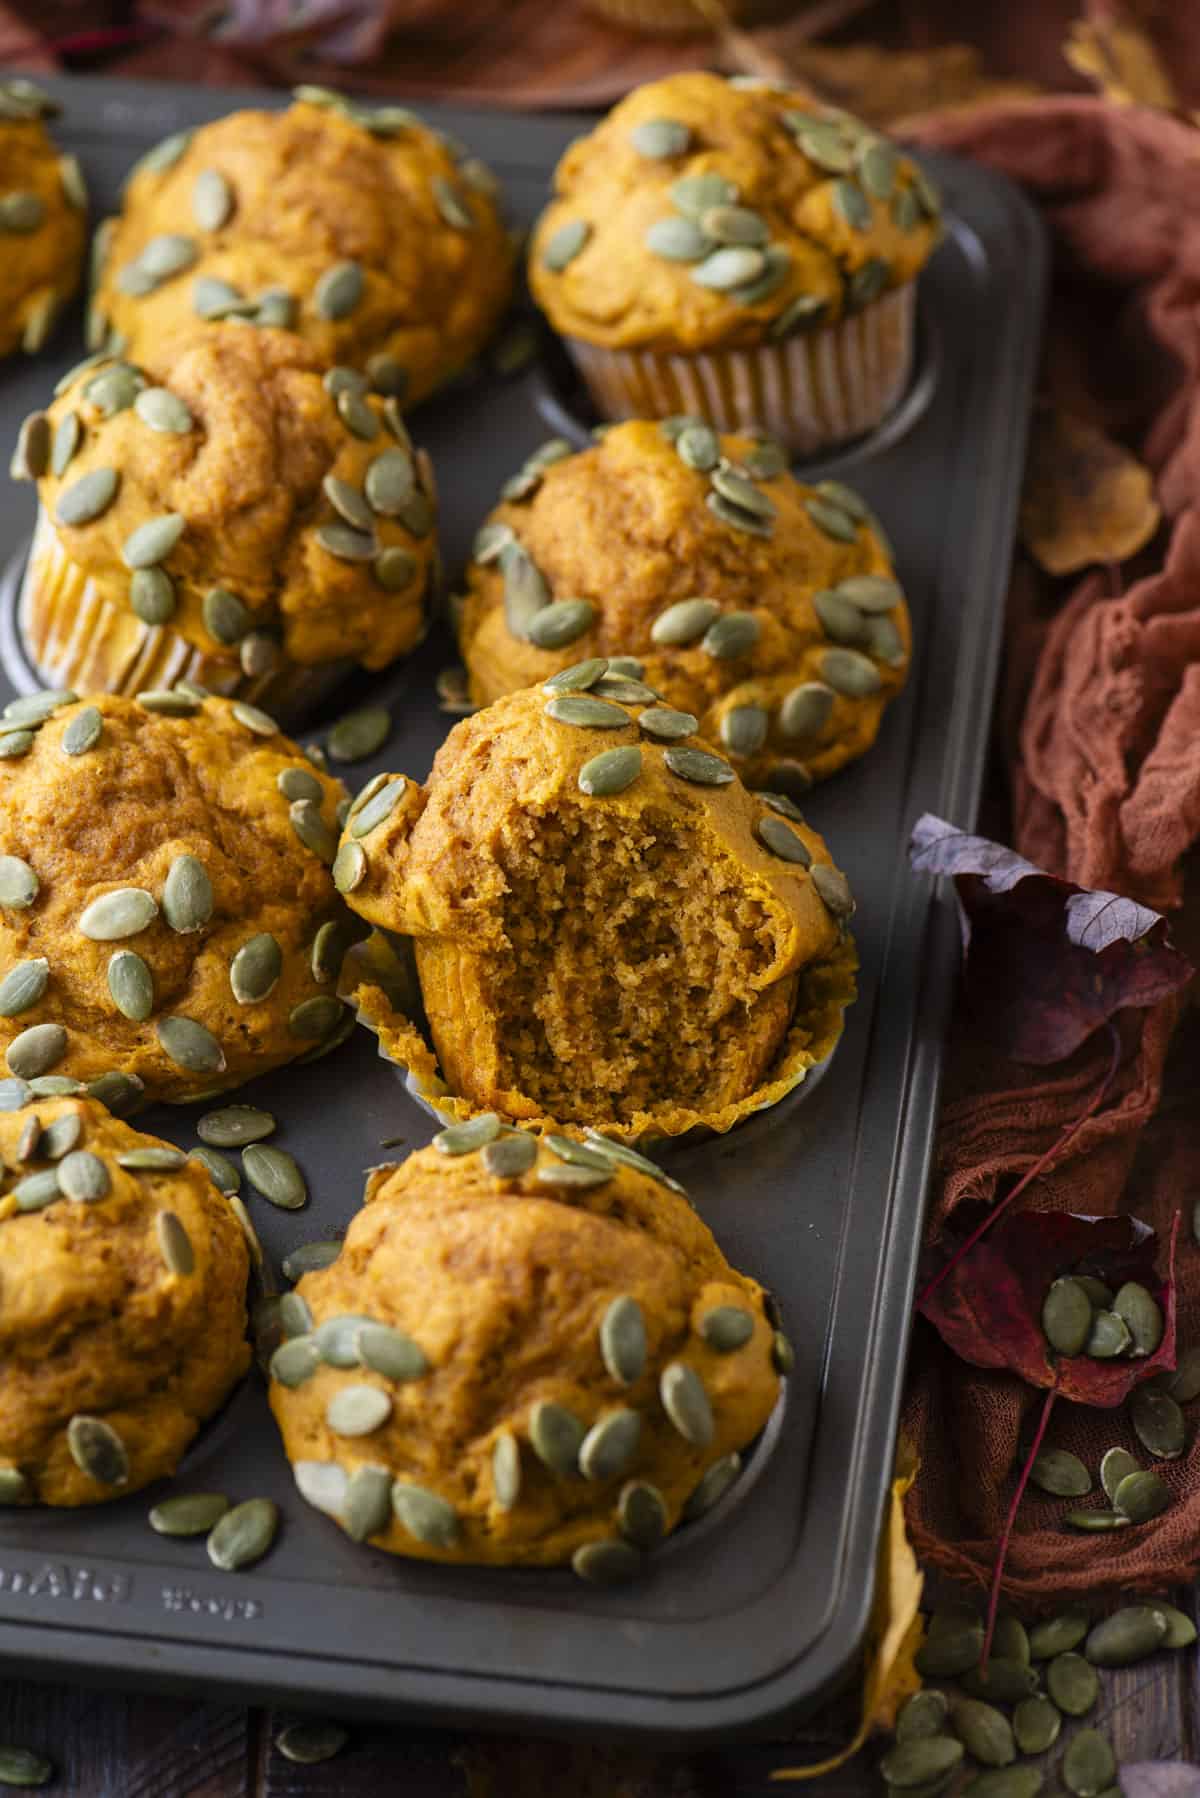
x=256 y=967
x=274 y=1173
x=1089 y=1764
x=914 y=1763
x=1157 y=1421
x=923 y=1715
x=98 y=1450
x=88 y=497
x=36 y=1050
x=1004 y=1682
x=1036 y=1724
x=359 y=734
x=562 y=247
x=1142 y=1316
x=465 y=1139
x=243 y=1535
x=1181 y=1631
x=1128 y=1636
x=1062 y=1473
x=608 y=1563
x=188 y=1513
x=712 y=1488
x=1006 y=1782
x=235 y=1125
x=190 y=1045
x=1057 y=1635
x=1141 y=1496
x=1095 y=1522
x=425 y=1515
x=1183 y=1385
x=339 y=291
x=21 y=1766
x=985 y=1732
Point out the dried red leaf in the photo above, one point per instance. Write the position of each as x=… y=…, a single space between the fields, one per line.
x=988 y=1307
x=1047 y=962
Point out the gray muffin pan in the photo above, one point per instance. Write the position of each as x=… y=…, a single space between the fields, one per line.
x=747 y=1618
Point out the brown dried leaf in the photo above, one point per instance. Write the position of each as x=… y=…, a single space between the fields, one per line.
x=1112 y=50
x=1086 y=499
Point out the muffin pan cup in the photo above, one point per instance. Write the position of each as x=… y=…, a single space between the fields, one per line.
x=752 y=1615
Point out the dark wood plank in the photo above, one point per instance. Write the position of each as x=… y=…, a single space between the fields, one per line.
x=126 y=1745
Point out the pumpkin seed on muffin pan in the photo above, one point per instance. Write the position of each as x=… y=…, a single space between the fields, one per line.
x=274 y=1173
x=243 y=1535
x=188 y=1513
x=359 y=734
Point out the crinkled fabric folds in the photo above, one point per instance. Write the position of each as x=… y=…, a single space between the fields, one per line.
x=1102 y=718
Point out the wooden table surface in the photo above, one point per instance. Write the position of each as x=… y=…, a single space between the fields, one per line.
x=125 y=1745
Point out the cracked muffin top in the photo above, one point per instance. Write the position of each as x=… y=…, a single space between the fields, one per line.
x=362 y=229
x=164 y=892
x=43 y=220
x=231 y=488
x=608 y=928
x=123 y=1321
x=767 y=609
x=702 y=214
x=527 y=1353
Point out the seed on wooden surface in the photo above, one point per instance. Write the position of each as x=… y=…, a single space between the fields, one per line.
x=1036 y=1725
x=1128 y=1636
x=310 y=1742
x=1057 y=1635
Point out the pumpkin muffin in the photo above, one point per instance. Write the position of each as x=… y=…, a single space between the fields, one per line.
x=744 y=253
x=767 y=609
x=123 y=1325
x=369 y=233
x=608 y=928
x=526 y=1354
x=168 y=924
x=228 y=513
x=43 y=220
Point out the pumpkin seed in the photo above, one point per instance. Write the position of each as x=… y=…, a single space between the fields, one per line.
x=607 y=1563
x=562 y=247
x=88 y=497
x=849 y=672
x=152 y=595
x=686 y=1403
x=451 y=206
x=55 y=1086
x=131 y=985
x=310 y=1742
x=678 y=239
x=358 y=1410
x=114 y=389
x=423 y=1514
x=190 y=1045
x=339 y=291
x=168 y=255
x=15 y=743
x=587 y=713
x=163 y=410
x=34 y=708
x=36 y=1050
x=188 y=1514
x=82 y=732
x=390 y=483
x=1181 y=1631
x=729 y=268
x=359 y=418
x=617 y=1151
x=1067 y=1316
x=1006 y=1682
x=256 y=967
x=868 y=282
x=877 y=166
x=174 y=1243
x=660 y=138
x=386 y=375
x=153 y=541
x=225 y=616
x=731 y=636
x=885 y=643
x=804 y=310
x=1007 y=1782
x=295 y=1317
x=610 y=772
x=914 y=1763
x=561 y=623
x=835 y=521
x=782 y=841
x=154 y=1158
x=787 y=808
x=349 y=867
x=60 y=1137
x=212 y=200
x=851 y=203
x=1137 y=1308
x=713 y=1487
x=274 y=1173
x=490 y=540
x=1129 y=1635
x=694 y=195
x=805 y=711
x=726 y=1328
x=390 y=1352
x=610 y=1445
x=1057 y=1635
x=1141 y=1496
x=234 y=1126
x=698 y=447
x=298 y=783
x=394 y=568
x=985 y=1732
x=667 y=725
x=359 y=734
x=744 y=729
x=214 y=298
x=170 y=702
x=27 y=1144
x=18 y=883
x=742 y=493
x=322 y=1484
x=345 y=544
x=624 y=690
x=14 y=1094
x=22 y=1767
x=685 y=621
x=1036 y=1725
x=923 y=1715
x=309 y=1258
x=821 y=142
x=1095 y=1522
x=367 y=1507
x=1089 y=1764
x=295 y=1361
x=312 y=830
x=465 y=1139
x=378 y=808
x=97 y=1450
x=834 y=889
x=839 y=619
x=510 y=1156
x=244 y=1535
x=187 y=895
x=1183 y=1385
x=579 y=1179
x=1157 y=1419
x=31 y=458
x=556 y=1435
x=698 y=767
x=36 y=1191
x=623 y=1340
x=23 y=986
x=1056 y=1470
x=22 y=212
x=876 y=595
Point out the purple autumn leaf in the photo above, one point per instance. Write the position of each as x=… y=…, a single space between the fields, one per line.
x=1047 y=962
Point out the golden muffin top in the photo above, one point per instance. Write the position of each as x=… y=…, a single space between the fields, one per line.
x=429 y=861
x=702 y=214
x=164 y=896
x=43 y=217
x=767 y=609
x=361 y=229
x=123 y=1322
x=229 y=487
x=506 y=1316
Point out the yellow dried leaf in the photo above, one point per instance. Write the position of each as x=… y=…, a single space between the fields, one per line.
x=896 y=1629
x=1118 y=56
x=880 y=86
x=1085 y=499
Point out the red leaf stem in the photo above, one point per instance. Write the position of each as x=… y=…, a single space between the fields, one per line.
x=1006 y=1533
